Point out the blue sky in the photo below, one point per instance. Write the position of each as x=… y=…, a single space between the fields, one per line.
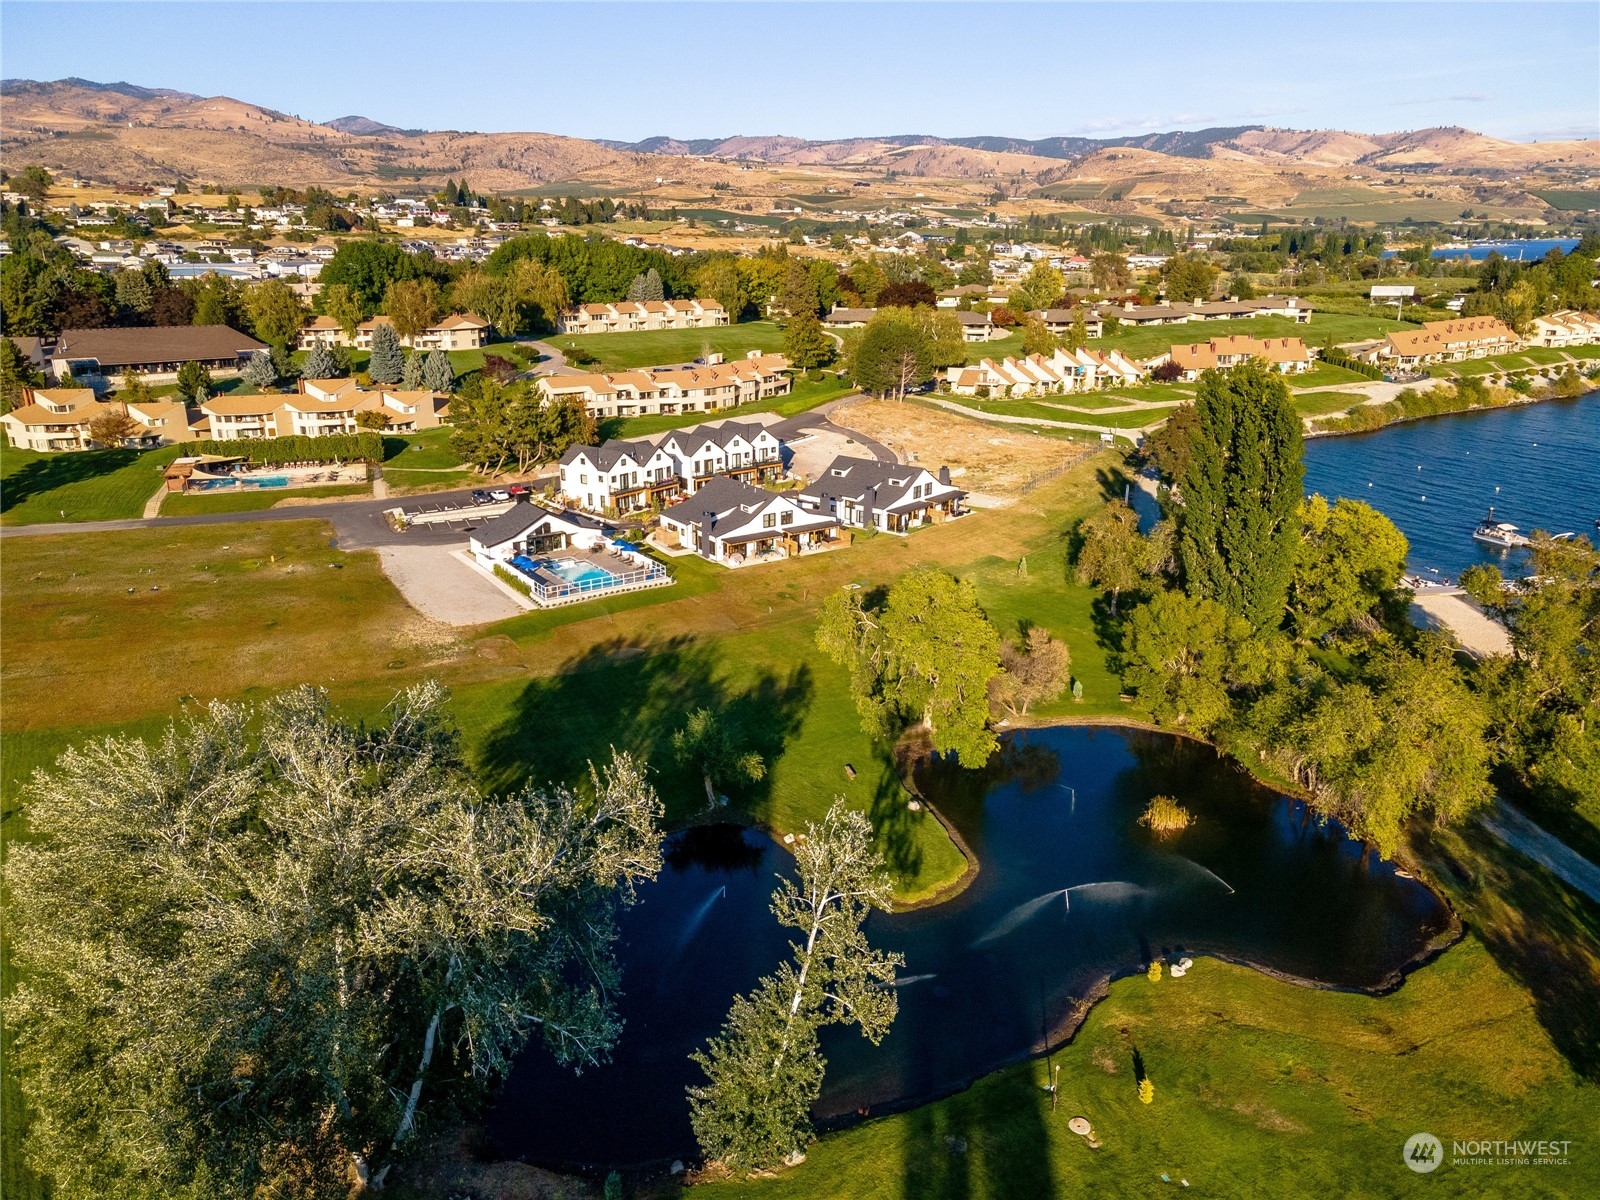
x=1522 y=71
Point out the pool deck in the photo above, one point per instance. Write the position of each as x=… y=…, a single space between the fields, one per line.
x=560 y=591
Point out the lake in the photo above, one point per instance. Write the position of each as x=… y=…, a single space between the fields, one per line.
x=1071 y=892
x=1524 y=250
x=1537 y=464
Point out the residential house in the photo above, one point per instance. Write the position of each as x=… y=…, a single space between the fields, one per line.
x=979 y=327
x=1445 y=341
x=673 y=390
x=1565 y=327
x=1059 y=321
x=629 y=315
x=735 y=449
x=531 y=529
x=730 y=522
x=848 y=318
x=1287 y=355
x=150 y=350
x=617 y=476
x=866 y=494
x=59 y=418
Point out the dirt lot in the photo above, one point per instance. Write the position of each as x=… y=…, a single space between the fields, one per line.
x=983 y=459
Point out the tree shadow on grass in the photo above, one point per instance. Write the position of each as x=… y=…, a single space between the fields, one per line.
x=1543 y=934
x=61 y=470
x=633 y=695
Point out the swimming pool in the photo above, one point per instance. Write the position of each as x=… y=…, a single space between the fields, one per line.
x=581 y=573
x=570 y=569
x=243 y=481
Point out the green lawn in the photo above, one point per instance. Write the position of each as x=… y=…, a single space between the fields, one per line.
x=38 y=487
x=428 y=450
x=1337 y=327
x=1261 y=1087
x=1320 y=404
x=1323 y=375
x=1009 y=346
x=254 y=501
x=663 y=347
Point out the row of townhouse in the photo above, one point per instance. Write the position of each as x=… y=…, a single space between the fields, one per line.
x=321 y=407
x=671 y=390
x=975 y=326
x=1442 y=341
x=630 y=315
x=1286 y=355
x=1095 y=316
x=1064 y=371
x=628 y=476
x=1565 y=327
x=59 y=418
x=458 y=331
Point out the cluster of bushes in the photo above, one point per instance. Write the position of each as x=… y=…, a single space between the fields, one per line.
x=1410 y=404
x=1338 y=358
x=336 y=447
x=511 y=578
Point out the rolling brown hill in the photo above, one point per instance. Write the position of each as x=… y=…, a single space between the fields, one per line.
x=123 y=133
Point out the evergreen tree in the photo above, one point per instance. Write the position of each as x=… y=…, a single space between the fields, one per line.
x=805 y=343
x=386 y=364
x=319 y=364
x=1241 y=492
x=437 y=373
x=411 y=378
x=259 y=372
x=646 y=286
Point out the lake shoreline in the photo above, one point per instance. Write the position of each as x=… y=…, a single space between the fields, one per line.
x=1314 y=434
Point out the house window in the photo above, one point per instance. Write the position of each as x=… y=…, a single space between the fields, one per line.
x=769 y=521
x=788 y=518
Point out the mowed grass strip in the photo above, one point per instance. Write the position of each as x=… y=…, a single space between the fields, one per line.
x=40 y=487
x=1260 y=1086
x=664 y=347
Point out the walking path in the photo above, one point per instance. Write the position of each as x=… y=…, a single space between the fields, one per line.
x=1132 y=435
x=1549 y=851
x=1479 y=634
x=552 y=360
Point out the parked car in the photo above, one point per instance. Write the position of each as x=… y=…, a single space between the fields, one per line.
x=500 y=494
x=479 y=496
x=519 y=490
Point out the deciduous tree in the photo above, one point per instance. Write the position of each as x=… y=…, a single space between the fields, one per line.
x=113 y=427
x=1177 y=656
x=275 y=313
x=306 y=935
x=764 y=1070
x=1350 y=558
x=925 y=657
x=1038 y=670
x=412 y=305
x=714 y=745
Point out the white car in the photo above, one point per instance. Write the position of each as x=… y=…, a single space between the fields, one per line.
x=499 y=494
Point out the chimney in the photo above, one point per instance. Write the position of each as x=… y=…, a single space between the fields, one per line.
x=944 y=476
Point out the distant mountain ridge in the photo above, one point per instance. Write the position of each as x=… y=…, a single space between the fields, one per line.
x=1196 y=143
x=126 y=132
x=367 y=127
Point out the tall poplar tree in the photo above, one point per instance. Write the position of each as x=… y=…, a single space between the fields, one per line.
x=1241 y=489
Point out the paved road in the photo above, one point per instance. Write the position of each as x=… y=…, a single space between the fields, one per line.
x=1549 y=851
x=817 y=420
x=551 y=359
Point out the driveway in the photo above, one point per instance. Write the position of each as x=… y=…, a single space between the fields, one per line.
x=829 y=439
x=439 y=585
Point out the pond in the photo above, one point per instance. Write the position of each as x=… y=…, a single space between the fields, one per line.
x=1071 y=891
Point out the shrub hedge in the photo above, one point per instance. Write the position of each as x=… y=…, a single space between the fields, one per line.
x=337 y=447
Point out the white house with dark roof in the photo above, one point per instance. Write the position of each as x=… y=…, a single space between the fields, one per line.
x=742 y=450
x=532 y=529
x=891 y=497
x=732 y=523
x=617 y=476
